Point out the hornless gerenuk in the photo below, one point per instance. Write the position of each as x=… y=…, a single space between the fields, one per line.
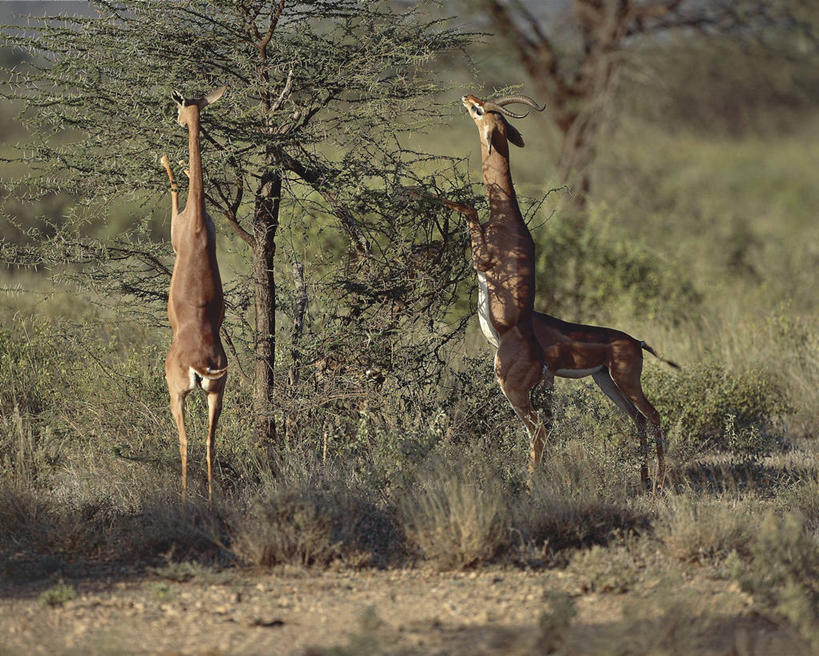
x=196 y=305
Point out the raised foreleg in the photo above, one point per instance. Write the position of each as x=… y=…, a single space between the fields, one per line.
x=174 y=199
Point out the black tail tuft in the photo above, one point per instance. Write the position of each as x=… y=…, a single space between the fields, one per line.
x=670 y=363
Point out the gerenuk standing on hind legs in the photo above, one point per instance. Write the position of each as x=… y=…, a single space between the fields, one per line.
x=503 y=254
x=196 y=305
x=532 y=347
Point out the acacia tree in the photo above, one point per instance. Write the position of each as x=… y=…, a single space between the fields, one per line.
x=574 y=55
x=312 y=119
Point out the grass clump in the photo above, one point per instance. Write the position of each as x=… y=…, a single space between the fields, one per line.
x=286 y=527
x=576 y=502
x=783 y=574
x=57 y=595
x=454 y=517
x=554 y=625
x=705 y=531
x=311 y=515
x=601 y=569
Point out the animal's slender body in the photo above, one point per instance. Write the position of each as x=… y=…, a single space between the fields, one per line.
x=196 y=305
x=532 y=347
x=503 y=254
x=613 y=358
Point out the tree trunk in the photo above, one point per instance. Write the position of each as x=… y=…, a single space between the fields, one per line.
x=265 y=223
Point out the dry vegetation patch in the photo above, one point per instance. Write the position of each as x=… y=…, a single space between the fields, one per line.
x=703 y=530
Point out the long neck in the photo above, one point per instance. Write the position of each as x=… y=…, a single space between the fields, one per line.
x=503 y=204
x=196 y=194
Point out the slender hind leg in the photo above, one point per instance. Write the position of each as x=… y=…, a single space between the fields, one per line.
x=629 y=384
x=653 y=418
x=178 y=412
x=215 y=392
x=519 y=368
x=610 y=389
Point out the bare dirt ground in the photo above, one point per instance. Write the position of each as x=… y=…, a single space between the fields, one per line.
x=291 y=611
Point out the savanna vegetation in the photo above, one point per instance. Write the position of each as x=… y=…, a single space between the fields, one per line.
x=383 y=441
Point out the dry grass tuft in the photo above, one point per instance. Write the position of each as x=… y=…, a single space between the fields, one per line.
x=783 y=574
x=311 y=515
x=575 y=502
x=605 y=569
x=704 y=531
x=286 y=527
x=455 y=517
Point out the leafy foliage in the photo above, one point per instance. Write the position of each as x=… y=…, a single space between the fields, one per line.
x=585 y=265
x=310 y=138
x=709 y=408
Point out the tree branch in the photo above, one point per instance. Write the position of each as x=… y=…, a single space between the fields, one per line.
x=314 y=176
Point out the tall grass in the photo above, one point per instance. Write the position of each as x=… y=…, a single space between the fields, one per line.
x=456 y=517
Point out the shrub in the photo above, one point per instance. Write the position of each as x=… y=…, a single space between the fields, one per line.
x=585 y=264
x=710 y=409
x=456 y=518
x=57 y=595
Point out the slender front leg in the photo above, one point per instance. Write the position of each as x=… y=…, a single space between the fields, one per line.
x=481 y=258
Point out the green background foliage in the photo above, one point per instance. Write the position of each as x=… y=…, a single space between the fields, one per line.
x=700 y=238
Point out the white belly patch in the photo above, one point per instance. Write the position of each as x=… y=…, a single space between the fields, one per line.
x=577 y=373
x=487 y=328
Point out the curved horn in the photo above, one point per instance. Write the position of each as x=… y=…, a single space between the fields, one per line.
x=494 y=107
x=526 y=100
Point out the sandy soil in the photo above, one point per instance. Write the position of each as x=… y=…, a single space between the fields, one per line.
x=493 y=611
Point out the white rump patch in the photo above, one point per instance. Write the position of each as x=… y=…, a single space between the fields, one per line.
x=204 y=380
x=577 y=373
x=192 y=375
x=487 y=328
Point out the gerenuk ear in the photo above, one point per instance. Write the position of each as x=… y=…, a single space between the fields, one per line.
x=513 y=136
x=213 y=96
x=178 y=98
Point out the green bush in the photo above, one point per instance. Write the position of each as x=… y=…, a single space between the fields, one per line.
x=586 y=267
x=57 y=595
x=707 y=408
